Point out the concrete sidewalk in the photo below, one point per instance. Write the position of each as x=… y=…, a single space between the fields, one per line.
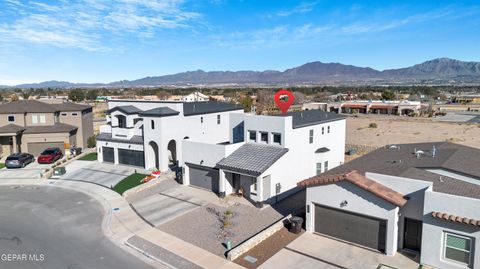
x=121 y=223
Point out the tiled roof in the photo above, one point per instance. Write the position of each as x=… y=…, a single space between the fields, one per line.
x=361 y=181
x=252 y=158
x=136 y=139
x=311 y=117
x=128 y=110
x=196 y=108
x=27 y=106
x=70 y=107
x=56 y=128
x=400 y=161
x=159 y=112
x=11 y=128
x=454 y=218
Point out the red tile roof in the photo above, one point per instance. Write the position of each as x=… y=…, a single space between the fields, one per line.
x=454 y=218
x=361 y=181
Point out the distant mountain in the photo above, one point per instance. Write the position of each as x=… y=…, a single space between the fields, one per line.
x=435 y=72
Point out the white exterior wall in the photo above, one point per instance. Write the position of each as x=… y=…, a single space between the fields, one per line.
x=433 y=236
x=268 y=124
x=359 y=201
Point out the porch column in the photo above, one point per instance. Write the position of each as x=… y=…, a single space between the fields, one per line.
x=259 y=189
x=221 y=183
x=186 y=175
x=15 y=146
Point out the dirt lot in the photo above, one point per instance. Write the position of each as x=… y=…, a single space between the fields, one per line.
x=400 y=129
x=267 y=248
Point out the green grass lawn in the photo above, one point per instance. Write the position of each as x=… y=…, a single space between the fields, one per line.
x=2 y=165
x=129 y=182
x=89 y=157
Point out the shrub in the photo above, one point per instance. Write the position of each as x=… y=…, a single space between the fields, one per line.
x=91 y=141
x=372 y=125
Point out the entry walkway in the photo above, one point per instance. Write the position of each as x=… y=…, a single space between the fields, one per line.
x=319 y=252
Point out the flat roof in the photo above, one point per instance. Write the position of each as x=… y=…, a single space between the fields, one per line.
x=400 y=160
x=311 y=117
x=197 y=108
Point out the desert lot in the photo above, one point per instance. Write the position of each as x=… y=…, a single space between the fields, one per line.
x=401 y=129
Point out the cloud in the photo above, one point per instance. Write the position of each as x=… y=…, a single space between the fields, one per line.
x=88 y=24
x=299 y=9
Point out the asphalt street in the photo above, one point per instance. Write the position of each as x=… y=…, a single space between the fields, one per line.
x=53 y=228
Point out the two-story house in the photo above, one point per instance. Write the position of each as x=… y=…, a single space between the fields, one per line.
x=267 y=155
x=149 y=134
x=32 y=126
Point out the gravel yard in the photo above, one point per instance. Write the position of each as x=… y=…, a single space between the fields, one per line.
x=202 y=227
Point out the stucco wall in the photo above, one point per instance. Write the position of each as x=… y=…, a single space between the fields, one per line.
x=359 y=201
x=49 y=119
x=433 y=228
x=19 y=119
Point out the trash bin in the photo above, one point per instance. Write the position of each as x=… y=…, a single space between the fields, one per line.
x=296 y=225
x=78 y=151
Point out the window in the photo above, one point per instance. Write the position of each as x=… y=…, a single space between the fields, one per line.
x=34 y=118
x=252 y=135
x=135 y=121
x=326 y=166
x=42 y=119
x=122 y=121
x=152 y=124
x=218 y=119
x=264 y=137
x=311 y=137
x=457 y=248
x=63 y=114
x=74 y=114
x=11 y=118
x=328 y=129
x=277 y=139
x=323 y=130
x=319 y=168
x=201 y=119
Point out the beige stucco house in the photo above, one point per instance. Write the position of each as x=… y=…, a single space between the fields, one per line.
x=32 y=126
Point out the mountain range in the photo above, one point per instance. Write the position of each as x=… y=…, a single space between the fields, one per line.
x=441 y=71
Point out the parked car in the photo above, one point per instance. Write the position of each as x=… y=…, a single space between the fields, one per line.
x=19 y=160
x=50 y=155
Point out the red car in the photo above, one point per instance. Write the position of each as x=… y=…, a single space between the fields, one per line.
x=50 y=155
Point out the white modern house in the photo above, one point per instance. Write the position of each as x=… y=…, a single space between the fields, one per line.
x=150 y=134
x=420 y=198
x=222 y=149
x=195 y=97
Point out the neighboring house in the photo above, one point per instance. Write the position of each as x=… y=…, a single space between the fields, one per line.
x=32 y=126
x=149 y=134
x=267 y=155
x=195 y=97
x=222 y=149
x=377 y=107
x=424 y=198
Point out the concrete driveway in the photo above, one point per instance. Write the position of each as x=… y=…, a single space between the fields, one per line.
x=319 y=252
x=168 y=200
x=104 y=174
x=32 y=170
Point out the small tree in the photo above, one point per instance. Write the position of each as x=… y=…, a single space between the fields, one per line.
x=76 y=95
x=91 y=95
x=388 y=95
x=247 y=103
x=91 y=141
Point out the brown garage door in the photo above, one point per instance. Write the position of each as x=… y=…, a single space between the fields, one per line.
x=37 y=148
x=359 y=229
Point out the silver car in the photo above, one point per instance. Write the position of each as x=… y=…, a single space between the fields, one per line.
x=19 y=160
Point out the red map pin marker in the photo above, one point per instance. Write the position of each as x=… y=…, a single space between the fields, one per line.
x=284 y=99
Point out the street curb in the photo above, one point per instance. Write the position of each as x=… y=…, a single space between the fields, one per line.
x=146 y=254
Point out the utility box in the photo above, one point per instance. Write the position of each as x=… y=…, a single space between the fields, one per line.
x=58 y=172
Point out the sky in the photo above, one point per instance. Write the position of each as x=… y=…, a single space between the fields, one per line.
x=110 y=40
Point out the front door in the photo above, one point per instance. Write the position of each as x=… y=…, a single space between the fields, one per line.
x=413 y=234
x=236 y=182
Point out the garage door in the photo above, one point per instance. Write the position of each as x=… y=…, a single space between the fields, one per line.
x=131 y=157
x=37 y=148
x=359 y=229
x=108 y=155
x=204 y=177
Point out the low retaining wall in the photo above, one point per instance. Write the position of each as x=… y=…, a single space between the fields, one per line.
x=256 y=239
x=47 y=175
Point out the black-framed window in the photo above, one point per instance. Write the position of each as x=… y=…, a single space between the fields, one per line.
x=252 y=135
x=201 y=119
x=323 y=130
x=277 y=139
x=122 y=121
x=264 y=137
x=310 y=139
x=218 y=119
x=11 y=118
x=325 y=165
x=152 y=124
x=328 y=129
x=319 y=168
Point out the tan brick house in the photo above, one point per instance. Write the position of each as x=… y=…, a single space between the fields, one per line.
x=32 y=126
